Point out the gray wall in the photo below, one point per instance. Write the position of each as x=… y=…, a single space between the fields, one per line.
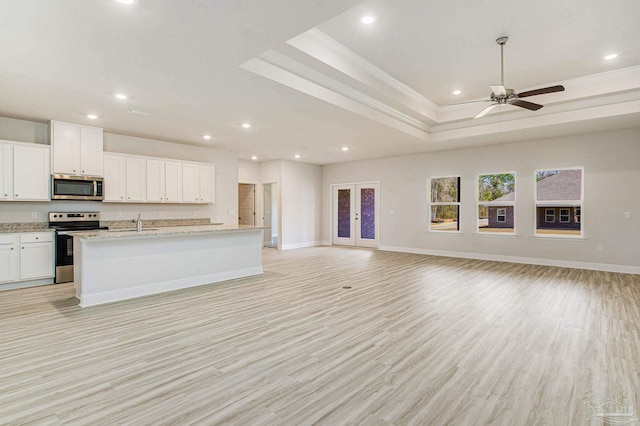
x=611 y=162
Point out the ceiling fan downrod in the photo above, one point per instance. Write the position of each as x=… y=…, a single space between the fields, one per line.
x=502 y=41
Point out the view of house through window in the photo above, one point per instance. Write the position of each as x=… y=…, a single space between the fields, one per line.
x=444 y=207
x=496 y=202
x=559 y=202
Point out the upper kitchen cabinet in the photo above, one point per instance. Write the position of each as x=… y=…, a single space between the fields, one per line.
x=77 y=149
x=198 y=183
x=24 y=172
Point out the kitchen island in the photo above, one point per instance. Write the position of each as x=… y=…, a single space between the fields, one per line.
x=122 y=264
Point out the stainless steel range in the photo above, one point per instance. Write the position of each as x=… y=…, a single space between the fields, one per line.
x=63 y=223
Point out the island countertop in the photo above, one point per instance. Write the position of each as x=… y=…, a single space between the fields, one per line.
x=151 y=232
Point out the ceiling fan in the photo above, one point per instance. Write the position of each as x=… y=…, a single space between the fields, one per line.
x=503 y=96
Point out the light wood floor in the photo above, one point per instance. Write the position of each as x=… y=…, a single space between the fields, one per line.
x=417 y=340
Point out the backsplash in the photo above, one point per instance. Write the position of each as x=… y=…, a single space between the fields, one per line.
x=120 y=224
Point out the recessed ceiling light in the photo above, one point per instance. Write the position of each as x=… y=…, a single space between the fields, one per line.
x=368 y=19
x=120 y=96
x=207 y=137
x=457 y=92
x=127 y=2
x=253 y=157
x=611 y=56
x=345 y=148
x=246 y=125
x=92 y=116
x=296 y=156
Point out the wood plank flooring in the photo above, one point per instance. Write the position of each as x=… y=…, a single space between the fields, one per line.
x=417 y=340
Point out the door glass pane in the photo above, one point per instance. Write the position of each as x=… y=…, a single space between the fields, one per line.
x=367 y=214
x=344 y=213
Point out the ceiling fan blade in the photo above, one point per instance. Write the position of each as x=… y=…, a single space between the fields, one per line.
x=550 y=89
x=485 y=111
x=471 y=102
x=525 y=104
x=498 y=90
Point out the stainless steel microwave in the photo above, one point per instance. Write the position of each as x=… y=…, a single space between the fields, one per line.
x=66 y=187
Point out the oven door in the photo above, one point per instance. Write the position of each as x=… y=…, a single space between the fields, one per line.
x=64 y=257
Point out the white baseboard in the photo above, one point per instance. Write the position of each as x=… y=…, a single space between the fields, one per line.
x=625 y=269
x=161 y=287
x=25 y=284
x=325 y=243
x=301 y=245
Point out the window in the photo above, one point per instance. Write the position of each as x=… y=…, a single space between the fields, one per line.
x=550 y=215
x=444 y=205
x=496 y=203
x=501 y=215
x=559 y=193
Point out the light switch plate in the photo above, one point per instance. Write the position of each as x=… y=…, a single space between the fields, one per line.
x=627 y=215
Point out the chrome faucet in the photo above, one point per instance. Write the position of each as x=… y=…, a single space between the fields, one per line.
x=138 y=222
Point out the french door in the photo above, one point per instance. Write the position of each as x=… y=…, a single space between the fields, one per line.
x=355 y=211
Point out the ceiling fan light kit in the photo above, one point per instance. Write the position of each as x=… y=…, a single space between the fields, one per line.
x=500 y=95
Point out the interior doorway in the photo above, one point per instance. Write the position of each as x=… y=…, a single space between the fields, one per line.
x=355 y=211
x=270 y=196
x=246 y=204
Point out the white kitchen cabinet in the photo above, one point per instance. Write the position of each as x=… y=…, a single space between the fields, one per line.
x=155 y=181
x=36 y=255
x=26 y=256
x=9 y=258
x=136 y=179
x=115 y=178
x=207 y=183
x=24 y=172
x=31 y=175
x=190 y=183
x=173 y=181
x=77 y=149
x=198 y=183
x=6 y=172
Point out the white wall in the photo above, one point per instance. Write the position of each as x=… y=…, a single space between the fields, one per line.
x=248 y=172
x=223 y=210
x=301 y=192
x=611 y=162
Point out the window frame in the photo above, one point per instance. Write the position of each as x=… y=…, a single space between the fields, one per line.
x=571 y=204
x=568 y=216
x=511 y=204
x=503 y=215
x=547 y=215
x=431 y=204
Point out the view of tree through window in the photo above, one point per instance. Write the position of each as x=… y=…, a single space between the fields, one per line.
x=559 y=202
x=444 y=206
x=496 y=202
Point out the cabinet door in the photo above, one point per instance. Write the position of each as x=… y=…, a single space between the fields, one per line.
x=9 y=258
x=36 y=260
x=155 y=181
x=173 y=182
x=65 y=142
x=136 y=179
x=190 y=183
x=115 y=178
x=31 y=174
x=6 y=172
x=207 y=184
x=91 y=151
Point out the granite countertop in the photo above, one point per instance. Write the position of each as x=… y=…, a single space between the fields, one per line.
x=150 y=232
x=6 y=228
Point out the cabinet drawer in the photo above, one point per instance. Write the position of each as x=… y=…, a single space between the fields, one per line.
x=36 y=237
x=9 y=238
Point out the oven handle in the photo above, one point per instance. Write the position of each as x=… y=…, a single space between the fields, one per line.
x=62 y=232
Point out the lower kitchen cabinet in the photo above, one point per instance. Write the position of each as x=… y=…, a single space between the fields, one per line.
x=26 y=256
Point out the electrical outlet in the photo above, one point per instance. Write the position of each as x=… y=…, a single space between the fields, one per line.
x=34 y=215
x=118 y=214
x=627 y=215
x=599 y=247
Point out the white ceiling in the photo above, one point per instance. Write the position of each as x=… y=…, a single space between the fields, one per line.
x=311 y=78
